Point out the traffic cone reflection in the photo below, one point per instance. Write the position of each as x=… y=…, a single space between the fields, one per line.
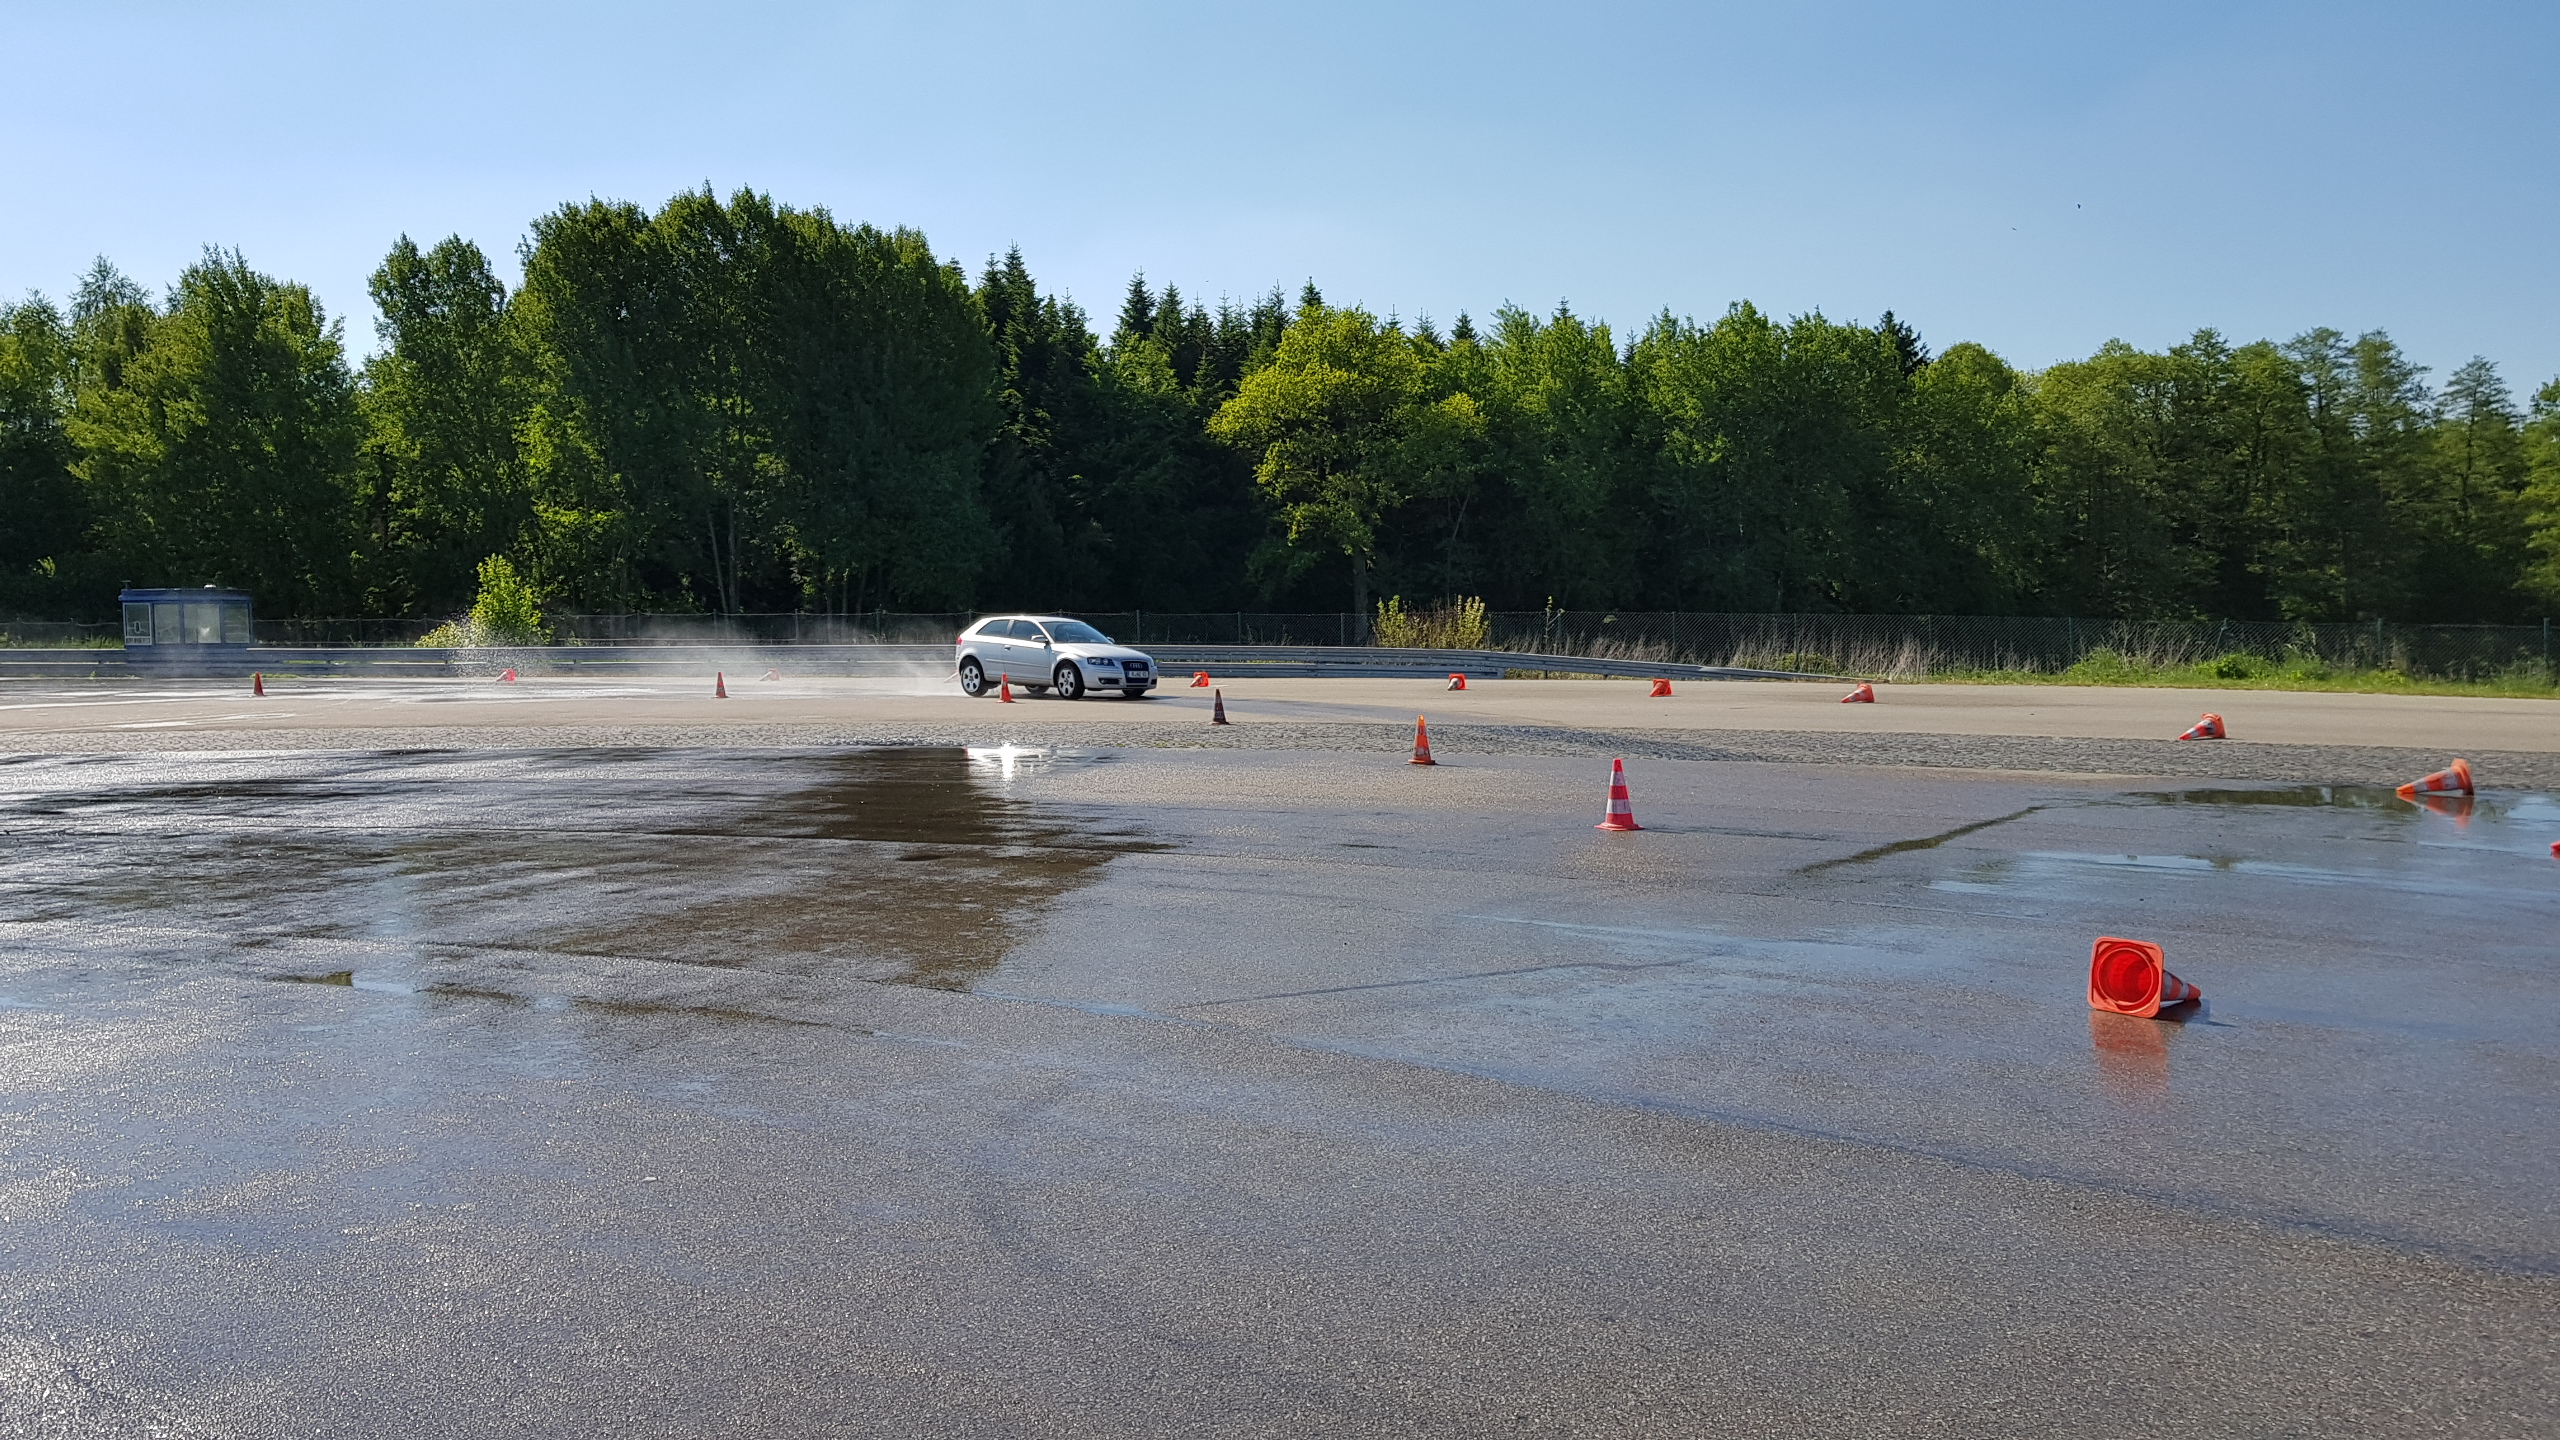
x=1422 y=742
x=2208 y=728
x=2129 y=978
x=2457 y=807
x=1622 y=814
x=1865 y=694
x=2453 y=777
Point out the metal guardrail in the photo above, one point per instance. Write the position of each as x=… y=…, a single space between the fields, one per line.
x=1277 y=662
x=1268 y=662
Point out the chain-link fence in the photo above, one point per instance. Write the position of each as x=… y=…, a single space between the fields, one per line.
x=1898 y=646
x=1913 y=646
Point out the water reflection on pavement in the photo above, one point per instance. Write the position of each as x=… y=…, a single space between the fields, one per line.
x=1015 y=1092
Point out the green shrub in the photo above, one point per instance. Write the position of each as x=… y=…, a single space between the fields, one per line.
x=506 y=612
x=1459 y=626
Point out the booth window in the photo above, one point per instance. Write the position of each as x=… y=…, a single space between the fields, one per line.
x=235 y=625
x=168 y=624
x=137 y=624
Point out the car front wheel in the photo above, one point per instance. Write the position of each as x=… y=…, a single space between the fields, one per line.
x=973 y=680
x=1070 y=682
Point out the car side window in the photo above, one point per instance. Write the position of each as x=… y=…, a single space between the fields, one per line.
x=1032 y=632
x=1021 y=630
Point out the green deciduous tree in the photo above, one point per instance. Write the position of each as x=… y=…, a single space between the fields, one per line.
x=1346 y=429
x=218 y=440
x=43 y=513
x=448 y=399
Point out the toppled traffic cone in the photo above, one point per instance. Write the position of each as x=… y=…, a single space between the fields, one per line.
x=2127 y=977
x=1622 y=815
x=2208 y=728
x=507 y=676
x=773 y=674
x=719 y=685
x=1457 y=681
x=1661 y=688
x=2456 y=776
x=1199 y=680
x=257 y=682
x=1218 y=707
x=1004 y=688
x=1422 y=742
x=1865 y=694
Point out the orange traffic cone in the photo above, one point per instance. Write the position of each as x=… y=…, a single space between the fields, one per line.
x=1457 y=682
x=773 y=674
x=2208 y=728
x=257 y=682
x=1218 y=708
x=1199 y=680
x=1661 y=688
x=1622 y=815
x=1865 y=694
x=1422 y=742
x=507 y=677
x=2456 y=776
x=719 y=685
x=1004 y=688
x=2127 y=977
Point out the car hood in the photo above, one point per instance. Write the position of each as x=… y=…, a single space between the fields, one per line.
x=1098 y=652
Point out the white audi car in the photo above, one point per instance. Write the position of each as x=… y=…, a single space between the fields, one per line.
x=1039 y=652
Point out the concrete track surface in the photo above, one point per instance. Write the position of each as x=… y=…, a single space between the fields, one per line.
x=1106 y=1088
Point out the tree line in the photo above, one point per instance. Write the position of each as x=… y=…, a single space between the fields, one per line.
x=735 y=406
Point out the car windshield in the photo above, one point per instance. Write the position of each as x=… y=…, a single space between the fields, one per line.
x=1075 y=632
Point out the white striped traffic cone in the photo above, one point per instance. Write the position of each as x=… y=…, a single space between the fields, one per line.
x=1621 y=816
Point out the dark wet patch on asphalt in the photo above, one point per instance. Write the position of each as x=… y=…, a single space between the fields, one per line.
x=1925 y=842
x=908 y=865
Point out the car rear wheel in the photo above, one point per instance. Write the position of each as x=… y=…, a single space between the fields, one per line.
x=973 y=679
x=1070 y=682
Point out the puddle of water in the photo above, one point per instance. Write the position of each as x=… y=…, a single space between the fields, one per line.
x=908 y=865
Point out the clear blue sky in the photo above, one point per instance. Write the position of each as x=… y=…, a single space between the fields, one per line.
x=2039 y=177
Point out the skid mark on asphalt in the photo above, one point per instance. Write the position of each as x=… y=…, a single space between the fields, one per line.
x=1926 y=842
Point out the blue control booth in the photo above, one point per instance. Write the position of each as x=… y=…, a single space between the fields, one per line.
x=179 y=626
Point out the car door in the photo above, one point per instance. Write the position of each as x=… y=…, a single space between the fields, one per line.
x=1038 y=659
x=1021 y=653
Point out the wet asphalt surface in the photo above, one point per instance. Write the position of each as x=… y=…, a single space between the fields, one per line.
x=846 y=1091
